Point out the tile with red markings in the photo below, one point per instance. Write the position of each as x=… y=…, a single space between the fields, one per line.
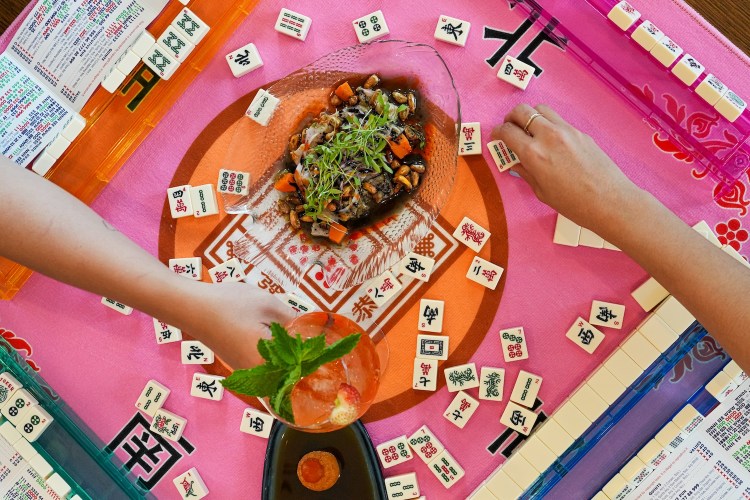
x=431 y=313
x=461 y=409
x=518 y=418
x=607 y=314
x=180 y=204
x=485 y=273
x=394 y=452
x=425 y=445
x=382 y=288
x=416 y=266
x=226 y=272
x=515 y=72
x=425 y=374
x=526 y=388
x=432 y=346
x=446 y=469
x=502 y=155
x=188 y=267
x=514 y=344
x=471 y=234
x=470 y=139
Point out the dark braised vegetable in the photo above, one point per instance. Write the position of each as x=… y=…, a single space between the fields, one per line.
x=354 y=161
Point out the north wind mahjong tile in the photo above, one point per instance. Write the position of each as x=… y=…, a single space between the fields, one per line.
x=485 y=273
x=425 y=374
x=471 y=234
x=431 y=314
x=461 y=409
x=461 y=377
x=425 y=445
x=514 y=344
x=416 y=266
x=432 y=346
x=607 y=314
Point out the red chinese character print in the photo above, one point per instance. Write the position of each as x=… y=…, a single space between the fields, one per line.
x=468 y=132
x=489 y=275
x=471 y=234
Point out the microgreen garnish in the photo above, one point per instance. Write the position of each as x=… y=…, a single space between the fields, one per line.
x=288 y=359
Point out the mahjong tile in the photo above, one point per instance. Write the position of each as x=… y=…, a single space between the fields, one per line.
x=425 y=374
x=175 y=43
x=34 y=423
x=370 y=27
x=518 y=418
x=461 y=377
x=194 y=352
x=262 y=107
x=228 y=271
x=425 y=445
x=168 y=425
x=452 y=30
x=471 y=234
x=515 y=72
x=188 y=267
x=431 y=314
x=165 y=333
x=152 y=397
x=485 y=273
x=161 y=62
x=117 y=306
x=382 y=288
x=241 y=62
x=233 y=182
x=16 y=407
x=585 y=336
x=402 y=487
x=623 y=15
x=461 y=409
x=526 y=388
x=394 y=452
x=180 y=204
x=204 y=201
x=470 y=139
x=491 y=382
x=416 y=266
x=607 y=314
x=190 y=485
x=514 y=344
x=298 y=304
x=502 y=155
x=293 y=24
x=432 y=346
x=8 y=385
x=256 y=423
x=207 y=386
x=446 y=469
x=190 y=26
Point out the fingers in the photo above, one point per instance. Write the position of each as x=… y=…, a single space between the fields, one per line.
x=551 y=115
x=513 y=136
x=520 y=116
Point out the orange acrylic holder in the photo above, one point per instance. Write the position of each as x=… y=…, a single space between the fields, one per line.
x=117 y=123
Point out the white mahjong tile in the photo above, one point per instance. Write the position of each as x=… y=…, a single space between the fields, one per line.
x=731 y=106
x=293 y=24
x=242 y=61
x=425 y=374
x=297 y=303
x=161 y=62
x=143 y=43
x=207 y=386
x=526 y=388
x=16 y=407
x=188 y=267
x=233 y=182
x=514 y=344
x=650 y=294
x=168 y=425
x=204 y=202
x=589 y=238
x=432 y=346
x=688 y=419
x=34 y=423
x=607 y=314
x=461 y=409
x=190 y=26
x=670 y=436
x=179 y=201
x=589 y=402
x=675 y=315
x=416 y=266
x=647 y=35
x=485 y=273
x=452 y=30
x=461 y=377
x=567 y=232
x=126 y=63
x=623 y=15
x=554 y=436
x=370 y=27
x=585 y=336
x=402 y=487
x=606 y=385
x=262 y=107
x=382 y=288
x=711 y=89
x=228 y=271
x=58 y=485
x=175 y=43
x=491 y=383
x=111 y=82
x=425 y=445
x=256 y=423
x=617 y=487
x=688 y=69
x=8 y=385
x=9 y=433
x=165 y=333
x=537 y=453
x=194 y=352
x=190 y=485
x=41 y=466
x=518 y=418
x=394 y=452
x=515 y=72
x=471 y=234
x=117 y=306
x=152 y=397
x=446 y=469
x=666 y=51
x=431 y=314
x=470 y=139
x=502 y=155
x=635 y=471
x=658 y=333
x=623 y=367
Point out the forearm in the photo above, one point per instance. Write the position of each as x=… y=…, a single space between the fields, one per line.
x=709 y=283
x=49 y=231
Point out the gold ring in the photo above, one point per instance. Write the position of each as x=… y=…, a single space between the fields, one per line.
x=531 y=120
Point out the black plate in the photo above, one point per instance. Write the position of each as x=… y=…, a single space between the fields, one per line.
x=360 y=471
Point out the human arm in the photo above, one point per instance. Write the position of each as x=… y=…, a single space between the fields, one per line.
x=568 y=171
x=48 y=230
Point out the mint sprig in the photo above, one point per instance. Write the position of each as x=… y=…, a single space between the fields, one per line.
x=287 y=360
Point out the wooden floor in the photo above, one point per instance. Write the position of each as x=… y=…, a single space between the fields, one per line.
x=731 y=17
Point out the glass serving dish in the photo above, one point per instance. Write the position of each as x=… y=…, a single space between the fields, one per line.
x=272 y=245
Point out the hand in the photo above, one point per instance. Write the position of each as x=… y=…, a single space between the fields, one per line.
x=564 y=167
